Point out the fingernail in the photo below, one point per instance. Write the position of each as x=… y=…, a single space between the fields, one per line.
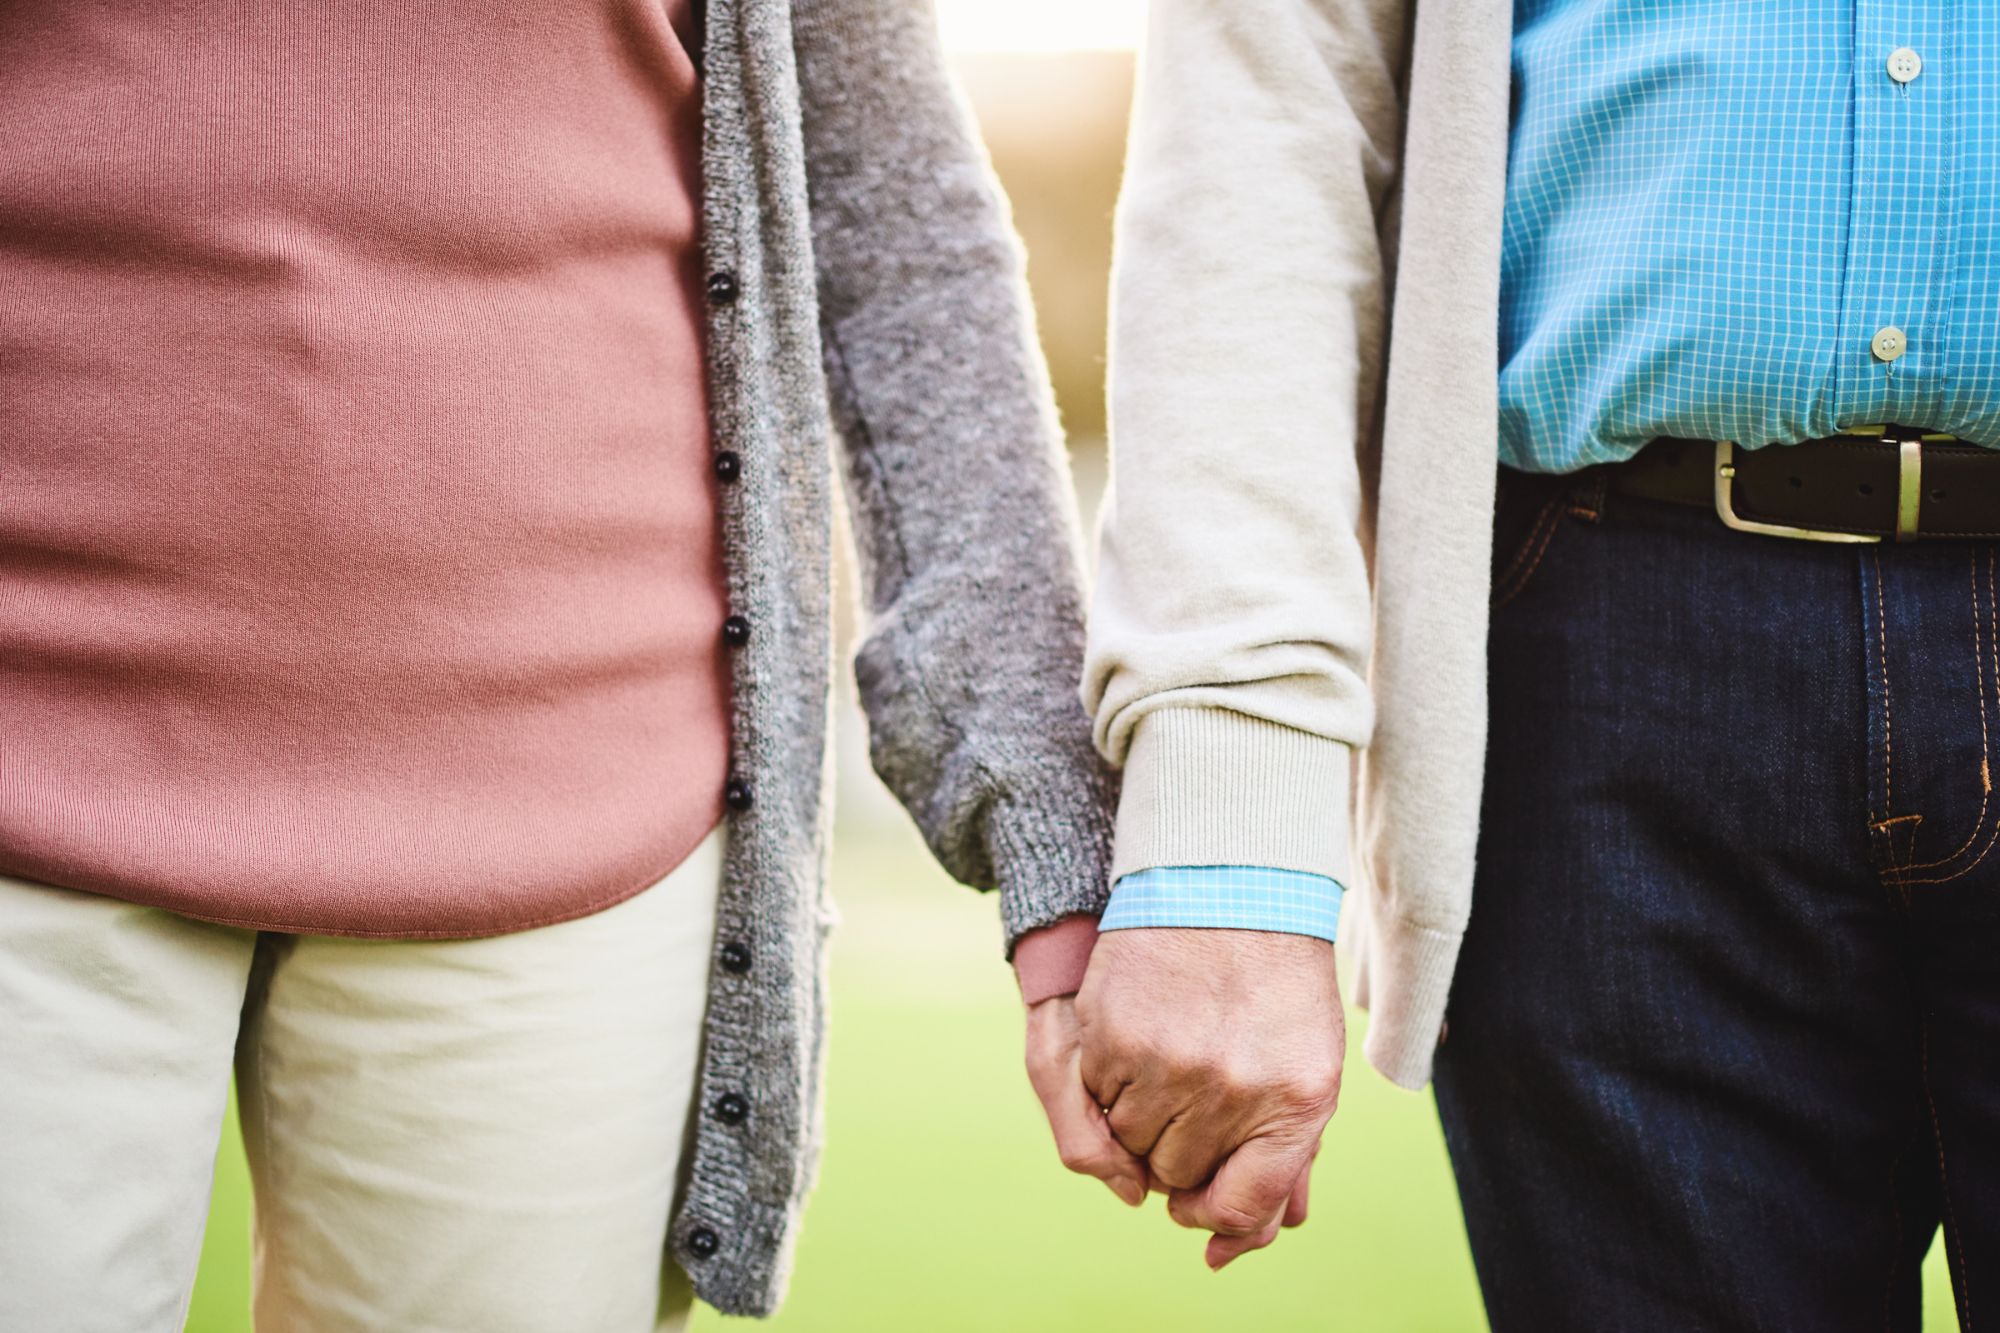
x=1130 y=1191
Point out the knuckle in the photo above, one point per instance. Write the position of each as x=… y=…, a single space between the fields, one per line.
x=1171 y=1056
x=1271 y=1201
x=1207 y=1065
x=1230 y=1080
x=1268 y=1196
x=1241 y=1081
x=1102 y=1035
x=1233 y=1218
x=1130 y=1046
x=1311 y=1088
x=1245 y=1089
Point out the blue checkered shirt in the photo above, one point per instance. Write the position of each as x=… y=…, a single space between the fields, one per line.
x=1714 y=207
x=1718 y=214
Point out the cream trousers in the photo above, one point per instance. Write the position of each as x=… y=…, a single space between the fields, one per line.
x=458 y=1136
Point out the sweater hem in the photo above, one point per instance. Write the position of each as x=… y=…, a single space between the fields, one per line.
x=279 y=926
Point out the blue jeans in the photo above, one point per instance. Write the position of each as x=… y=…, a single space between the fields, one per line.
x=1724 y=1045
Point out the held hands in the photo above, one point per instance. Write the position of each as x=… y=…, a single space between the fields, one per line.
x=1217 y=1054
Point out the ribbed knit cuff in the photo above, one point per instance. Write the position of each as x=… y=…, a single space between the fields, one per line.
x=1208 y=787
x=1052 y=860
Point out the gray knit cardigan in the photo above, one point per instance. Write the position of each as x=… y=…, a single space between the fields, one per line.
x=867 y=305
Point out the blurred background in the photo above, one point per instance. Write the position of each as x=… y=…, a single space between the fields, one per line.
x=941 y=1207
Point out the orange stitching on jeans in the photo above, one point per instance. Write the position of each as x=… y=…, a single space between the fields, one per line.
x=1952 y=1240
x=1882 y=646
x=1587 y=501
x=1991 y=841
x=1548 y=530
x=1985 y=752
x=1888 y=828
x=1960 y=873
x=1544 y=520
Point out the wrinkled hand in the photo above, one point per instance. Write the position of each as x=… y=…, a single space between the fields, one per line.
x=1082 y=1138
x=1218 y=1054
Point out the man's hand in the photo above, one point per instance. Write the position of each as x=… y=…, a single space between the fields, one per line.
x=1217 y=1054
x=1082 y=1139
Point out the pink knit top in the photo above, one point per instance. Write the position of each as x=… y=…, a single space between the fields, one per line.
x=358 y=551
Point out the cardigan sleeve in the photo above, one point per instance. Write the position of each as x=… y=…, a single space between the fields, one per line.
x=1229 y=640
x=957 y=482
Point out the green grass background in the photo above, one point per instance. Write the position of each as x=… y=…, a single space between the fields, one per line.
x=941 y=1204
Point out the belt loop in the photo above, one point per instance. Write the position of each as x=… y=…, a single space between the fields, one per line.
x=1909 y=489
x=1586 y=497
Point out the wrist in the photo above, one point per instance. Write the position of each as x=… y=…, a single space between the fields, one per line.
x=1050 y=962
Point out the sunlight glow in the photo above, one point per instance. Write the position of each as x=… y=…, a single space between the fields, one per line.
x=1041 y=25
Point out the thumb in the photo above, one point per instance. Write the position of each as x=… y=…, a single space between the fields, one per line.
x=1083 y=1137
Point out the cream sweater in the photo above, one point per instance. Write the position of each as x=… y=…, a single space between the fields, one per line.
x=1294 y=568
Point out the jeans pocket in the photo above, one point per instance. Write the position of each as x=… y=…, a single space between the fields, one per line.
x=1532 y=512
x=1524 y=527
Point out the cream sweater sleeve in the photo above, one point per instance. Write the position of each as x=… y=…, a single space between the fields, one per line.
x=1230 y=625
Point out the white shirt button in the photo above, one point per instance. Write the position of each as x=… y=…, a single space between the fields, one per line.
x=1905 y=64
x=1889 y=343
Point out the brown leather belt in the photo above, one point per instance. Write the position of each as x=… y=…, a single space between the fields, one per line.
x=1860 y=486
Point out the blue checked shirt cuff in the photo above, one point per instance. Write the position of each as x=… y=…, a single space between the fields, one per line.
x=1227 y=898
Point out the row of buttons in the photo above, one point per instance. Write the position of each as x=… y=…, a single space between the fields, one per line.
x=723 y=289
x=1890 y=342
x=731 y=1108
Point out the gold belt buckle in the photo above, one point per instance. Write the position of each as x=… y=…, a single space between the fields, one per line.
x=1909 y=491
